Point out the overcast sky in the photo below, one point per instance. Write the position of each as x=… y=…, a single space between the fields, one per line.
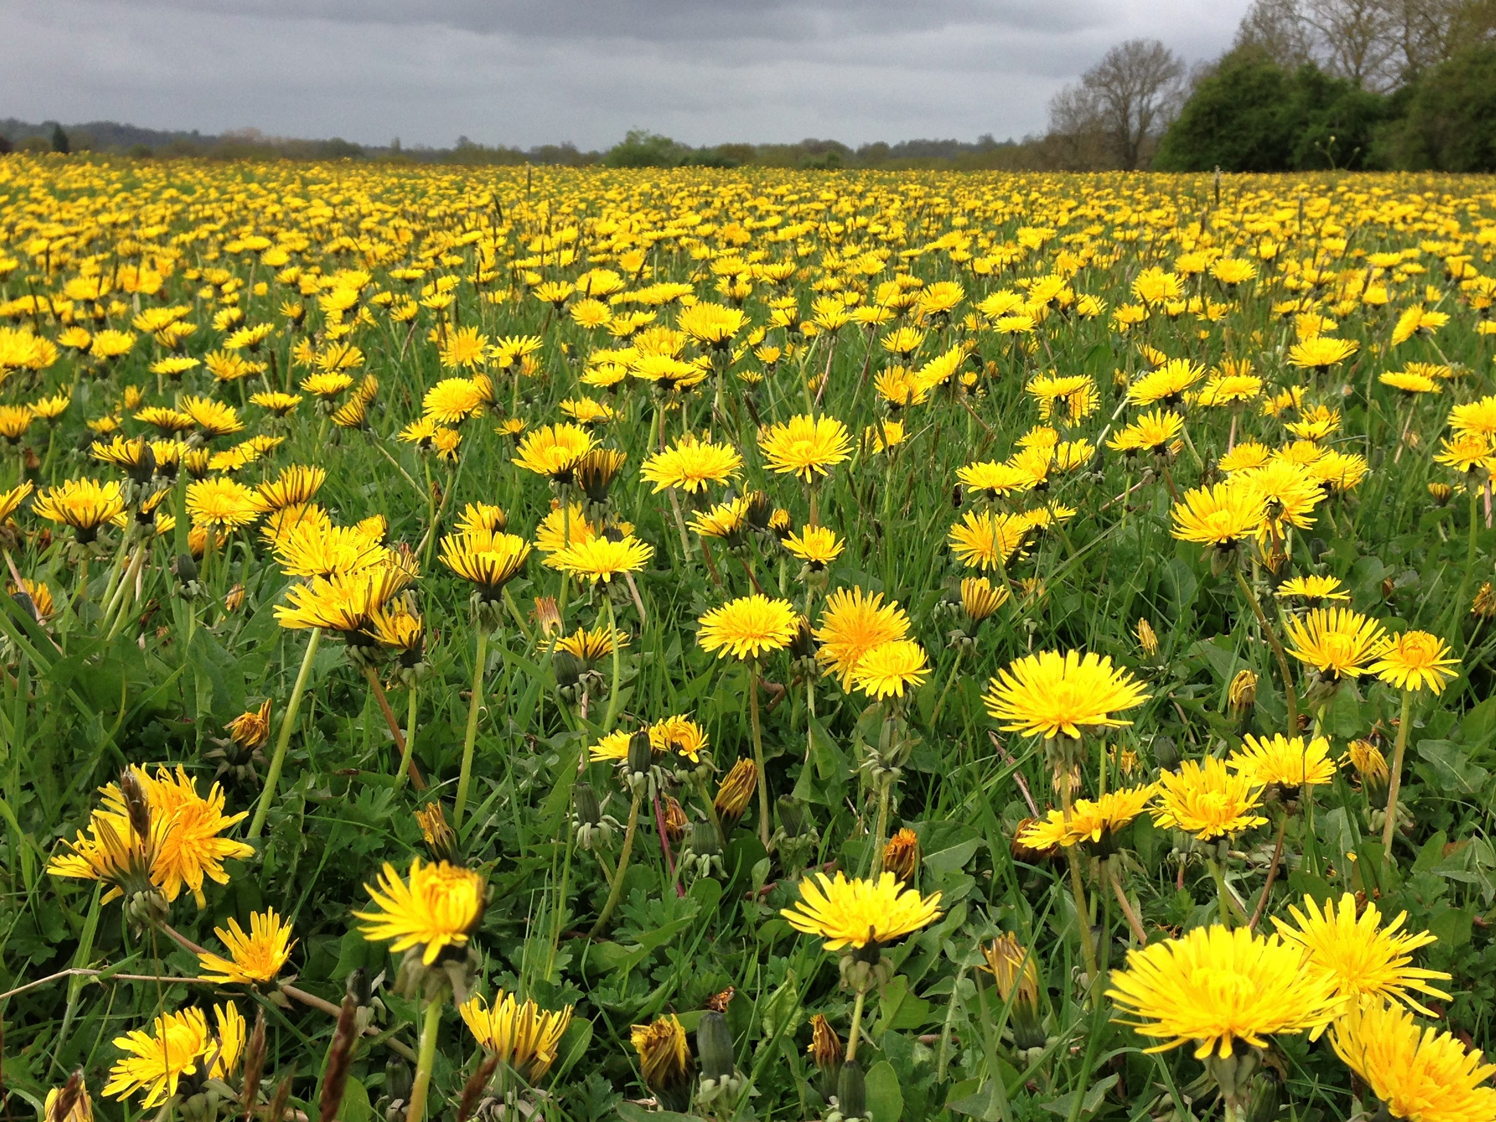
x=527 y=72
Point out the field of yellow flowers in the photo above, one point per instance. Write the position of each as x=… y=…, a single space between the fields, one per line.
x=579 y=645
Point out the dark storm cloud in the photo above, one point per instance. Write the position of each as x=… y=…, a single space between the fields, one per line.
x=533 y=71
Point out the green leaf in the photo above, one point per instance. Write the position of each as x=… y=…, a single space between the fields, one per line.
x=885 y=1099
x=355 y=1106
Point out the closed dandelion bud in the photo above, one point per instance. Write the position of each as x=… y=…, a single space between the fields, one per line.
x=705 y=841
x=1242 y=694
x=675 y=820
x=70 y=1102
x=803 y=644
x=760 y=510
x=851 y=1091
x=440 y=839
x=185 y=568
x=584 y=804
x=825 y=1049
x=137 y=803
x=714 y=1047
x=794 y=817
x=1484 y=605
x=1026 y=853
x=398 y=1081
x=666 y=1062
x=234 y=600
x=1368 y=761
x=1440 y=493
x=1147 y=638
x=567 y=668
x=736 y=792
x=1017 y=979
x=1165 y=752
x=901 y=856
x=641 y=753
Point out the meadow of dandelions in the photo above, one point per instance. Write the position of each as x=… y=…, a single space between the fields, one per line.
x=742 y=645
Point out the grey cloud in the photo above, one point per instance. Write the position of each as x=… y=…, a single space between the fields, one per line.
x=528 y=73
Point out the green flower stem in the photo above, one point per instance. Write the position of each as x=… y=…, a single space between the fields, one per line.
x=949 y=682
x=856 y=1030
x=1460 y=605
x=288 y=722
x=612 y=710
x=616 y=889
x=410 y=737
x=470 y=738
x=1139 y=932
x=1078 y=890
x=880 y=835
x=758 y=755
x=1290 y=698
x=430 y=1025
x=1394 y=784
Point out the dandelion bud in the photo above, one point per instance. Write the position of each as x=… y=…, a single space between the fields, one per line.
x=588 y=810
x=137 y=802
x=803 y=644
x=1147 y=638
x=234 y=600
x=760 y=511
x=1368 y=761
x=439 y=837
x=705 y=841
x=1017 y=977
x=714 y=1046
x=70 y=1103
x=1441 y=493
x=980 y=598
x=1484 y=605
x=567 y=668
x=398 y=1082
x=851 y=1091
x=794 y=817
x=901 y=855
x=185 y=568
x=665 y=1060
x=736 y=792
x=675 y=820
x=825 y=1049
x=641 y=753
x=1242 y=694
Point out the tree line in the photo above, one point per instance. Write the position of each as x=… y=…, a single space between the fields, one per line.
x=1307 y=84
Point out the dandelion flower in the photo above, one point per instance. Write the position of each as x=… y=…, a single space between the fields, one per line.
x=890 y=668
x=805 y=446
x=1362 y=957
x=1338 y=642
x=1280 y=760
x=254 y=958
x=1420 y=1075
x=854 y=913
x=523 y=1036
x=748 y=627
x=1207 y=800
x=1416 y=659
x=156 y=1061
x=438 y=906
x=1051 y=693
x=1216 y=986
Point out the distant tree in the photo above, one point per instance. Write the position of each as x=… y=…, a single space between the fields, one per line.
x=6 y=148
x=1278 y=30
x=1250 y=114
x=641 y=148
x=1237 y=119
x=60 y=140
x=1451 y=116
x=1357 y=39
x=1126 y=100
